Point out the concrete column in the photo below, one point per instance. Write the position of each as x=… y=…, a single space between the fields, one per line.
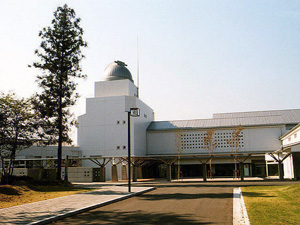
x=102 y=174
x=124 y=173
x=241 y=165
x=169 y=172
x=204 y=172
x=139 y=172
x=114 y=173
x=134 y=173
x=280 y=170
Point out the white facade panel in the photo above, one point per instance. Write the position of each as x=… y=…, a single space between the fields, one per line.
x=103 y=130
x=257 y=139
x=115 y=88
x=292 y=137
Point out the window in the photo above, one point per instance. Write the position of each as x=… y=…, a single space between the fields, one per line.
x=124 y=147
x=118 y=147
x=295 y=135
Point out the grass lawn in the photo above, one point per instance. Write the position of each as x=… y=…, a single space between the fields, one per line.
x=22 y=193
x=273 y=204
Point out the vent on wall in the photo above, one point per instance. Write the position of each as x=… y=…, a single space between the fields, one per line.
x=196 y=140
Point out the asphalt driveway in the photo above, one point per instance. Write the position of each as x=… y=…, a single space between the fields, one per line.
x=187 y=203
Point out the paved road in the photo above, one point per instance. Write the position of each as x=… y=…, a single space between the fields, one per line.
x=169 y=204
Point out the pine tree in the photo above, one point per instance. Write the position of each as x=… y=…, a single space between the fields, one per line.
x=60 y=56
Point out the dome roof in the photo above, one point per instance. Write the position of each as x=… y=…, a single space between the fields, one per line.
x=117 y=71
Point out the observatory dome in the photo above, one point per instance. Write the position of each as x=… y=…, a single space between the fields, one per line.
x=117 y=71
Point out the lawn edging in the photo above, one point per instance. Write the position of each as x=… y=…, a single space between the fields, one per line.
x=240 y=215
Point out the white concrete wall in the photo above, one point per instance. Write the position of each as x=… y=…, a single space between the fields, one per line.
x=103 y=130
x=75 y=174
x=262 y=139
x=139 y=128
x=103 y=127
x=115 y=88
x=255 y=139
x=292 y=138
x=48 y=151
x=288 y=168
x=78 y=174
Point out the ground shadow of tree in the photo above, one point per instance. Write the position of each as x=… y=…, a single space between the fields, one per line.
x=256 y=194
x=6 y=190
x=120 y=217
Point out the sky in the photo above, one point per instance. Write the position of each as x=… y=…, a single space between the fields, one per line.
x=196 y=57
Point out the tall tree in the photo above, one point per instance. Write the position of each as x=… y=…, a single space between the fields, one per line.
x=60 y=56
x=18 y=128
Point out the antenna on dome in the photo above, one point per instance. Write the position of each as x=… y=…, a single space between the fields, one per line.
x=138 y=65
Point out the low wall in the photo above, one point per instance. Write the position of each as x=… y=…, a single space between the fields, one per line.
x=78 y=174
x=75 y=174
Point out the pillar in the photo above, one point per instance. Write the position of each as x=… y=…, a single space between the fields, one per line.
x=204 y=172
x=102 y=174
x=169 y=172
x=134 y=173
x=139 y=172
x=241 y=165
x=124 y=173
x=280 y=170
x=114 y=173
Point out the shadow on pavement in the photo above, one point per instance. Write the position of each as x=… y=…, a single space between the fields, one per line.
x=232 y=184
x=182 y=196
x=137 y=217
x=103 y=193
x=27 y=217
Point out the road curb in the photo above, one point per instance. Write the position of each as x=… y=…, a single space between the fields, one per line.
x=85 y=209
x=240 y=215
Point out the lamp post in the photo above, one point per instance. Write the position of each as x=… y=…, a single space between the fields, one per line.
x=133 y=112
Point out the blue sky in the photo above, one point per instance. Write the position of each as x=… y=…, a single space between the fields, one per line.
x=196 y=57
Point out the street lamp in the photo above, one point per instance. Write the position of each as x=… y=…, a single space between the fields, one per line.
x=134 y=112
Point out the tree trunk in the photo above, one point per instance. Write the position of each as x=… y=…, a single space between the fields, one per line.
x=60 y=132
x=204 y=172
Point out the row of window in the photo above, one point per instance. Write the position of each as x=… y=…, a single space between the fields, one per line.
x=119 y=147
x=119 y=122
x=295 y=136
x=124 y=121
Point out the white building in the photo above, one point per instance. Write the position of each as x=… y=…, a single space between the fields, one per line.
x=103 y=131
x=103 y=136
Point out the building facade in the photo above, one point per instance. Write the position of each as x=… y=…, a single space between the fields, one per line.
x=103 y=133
x=156 y=145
